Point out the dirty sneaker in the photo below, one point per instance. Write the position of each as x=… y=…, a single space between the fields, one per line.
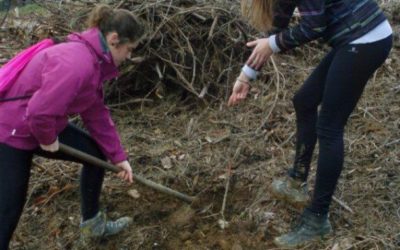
x=290 y=190
x=99 y=226
x=311 y=227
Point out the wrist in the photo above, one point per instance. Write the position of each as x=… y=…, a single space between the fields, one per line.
x=273 y=45
x=121 y=162
x=242 y=76
x=249 y=72
x=243 y=80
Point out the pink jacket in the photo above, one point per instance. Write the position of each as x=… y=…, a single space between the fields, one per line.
x=63 y=80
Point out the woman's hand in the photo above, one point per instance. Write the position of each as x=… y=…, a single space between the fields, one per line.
x=51 y=147
x=261 y=53
x=240 y=90
x=126 y=172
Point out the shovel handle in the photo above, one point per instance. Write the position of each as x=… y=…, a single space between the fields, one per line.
x=108 y=166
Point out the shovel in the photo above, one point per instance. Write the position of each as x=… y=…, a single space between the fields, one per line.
x=108 y=166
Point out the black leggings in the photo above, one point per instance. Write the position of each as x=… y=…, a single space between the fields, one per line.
x=15 y=165
x=336 y=84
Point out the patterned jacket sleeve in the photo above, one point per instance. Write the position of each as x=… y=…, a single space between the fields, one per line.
x=283 y=12
x=311 y=26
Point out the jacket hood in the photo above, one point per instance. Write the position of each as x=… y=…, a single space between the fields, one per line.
x=97 y=44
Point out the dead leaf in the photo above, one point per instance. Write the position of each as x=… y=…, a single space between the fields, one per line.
x=134 y=193
x=343 y=244
x=223 y=224
x=166 y=162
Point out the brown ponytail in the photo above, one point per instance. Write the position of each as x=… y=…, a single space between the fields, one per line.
x=259 y=13
x=127 y=26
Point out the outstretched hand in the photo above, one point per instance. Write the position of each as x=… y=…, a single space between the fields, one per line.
x=261 y=53
x=239 y=91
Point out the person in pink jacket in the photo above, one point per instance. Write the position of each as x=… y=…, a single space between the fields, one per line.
x=59 y=81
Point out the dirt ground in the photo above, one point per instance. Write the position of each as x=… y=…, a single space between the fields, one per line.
x=228 y=157
x=199 y=140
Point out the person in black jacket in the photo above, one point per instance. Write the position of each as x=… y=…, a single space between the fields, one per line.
x=361 y=39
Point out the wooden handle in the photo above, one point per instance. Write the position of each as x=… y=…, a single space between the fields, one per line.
x=108 y=166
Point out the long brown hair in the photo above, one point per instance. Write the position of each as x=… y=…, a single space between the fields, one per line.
x=259 y=13
x=127 y=26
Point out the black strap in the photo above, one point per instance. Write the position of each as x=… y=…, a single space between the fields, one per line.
x=15 y=98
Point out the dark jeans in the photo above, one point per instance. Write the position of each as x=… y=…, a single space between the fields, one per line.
x=15 y=165
x=336 y=85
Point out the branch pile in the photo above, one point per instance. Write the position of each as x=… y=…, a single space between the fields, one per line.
x=194 y=45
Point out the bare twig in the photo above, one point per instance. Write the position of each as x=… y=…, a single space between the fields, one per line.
x=344 y=205
x=277 y=84
x=228 y=177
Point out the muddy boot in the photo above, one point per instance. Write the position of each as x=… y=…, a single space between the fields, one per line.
x=290 y=190
x=311 y=227
x=99 y=226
